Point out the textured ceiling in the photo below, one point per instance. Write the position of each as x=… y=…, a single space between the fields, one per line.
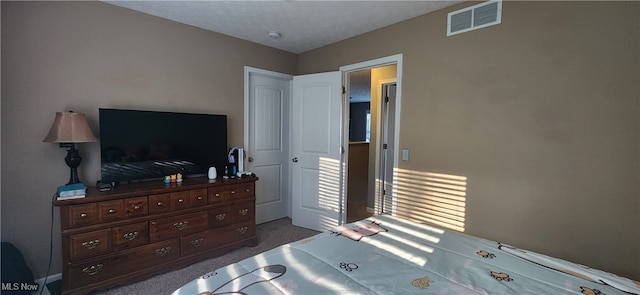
x=304 y=25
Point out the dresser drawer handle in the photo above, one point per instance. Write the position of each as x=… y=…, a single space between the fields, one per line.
x=180 y=200
x=199 y=198
x=91 y=244
x=247 y=190
x=180 y=225
x=196 y=243
x=233 y=192
x=130 y=236
x=83 y=215
x=136 y=207
x=243 y=212
x=221 y=216
x=217 y=195
x=92 y=270
x=242 y=230
x=163 y=251
x=160 y=204
x=111 y=211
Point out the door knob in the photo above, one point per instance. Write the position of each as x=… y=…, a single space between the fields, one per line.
x=250 y=159
x=295 y=160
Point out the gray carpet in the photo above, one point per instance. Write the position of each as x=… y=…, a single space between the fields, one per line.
x=270 y=235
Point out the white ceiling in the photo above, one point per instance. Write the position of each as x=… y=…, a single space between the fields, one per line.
x=304 y=25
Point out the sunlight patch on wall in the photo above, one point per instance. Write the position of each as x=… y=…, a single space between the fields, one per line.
x=430 y=197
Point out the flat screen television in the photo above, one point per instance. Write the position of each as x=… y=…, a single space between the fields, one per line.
x=137 y=145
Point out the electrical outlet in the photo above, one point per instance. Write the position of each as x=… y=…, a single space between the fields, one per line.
x=405 y=154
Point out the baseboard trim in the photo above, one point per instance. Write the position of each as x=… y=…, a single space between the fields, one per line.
x=51 y=278
x=371 y=210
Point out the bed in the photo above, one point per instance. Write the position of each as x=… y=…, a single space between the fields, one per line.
x=389 y=255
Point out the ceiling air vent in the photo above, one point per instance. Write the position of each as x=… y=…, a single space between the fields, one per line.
x=474 y=17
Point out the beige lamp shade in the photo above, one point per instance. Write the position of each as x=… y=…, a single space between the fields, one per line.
x=70 y=127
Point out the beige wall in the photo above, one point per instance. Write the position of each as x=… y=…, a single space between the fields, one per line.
x=540 y=114
x=82 y=56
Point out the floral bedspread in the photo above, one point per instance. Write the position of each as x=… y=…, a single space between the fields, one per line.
x=388 y=255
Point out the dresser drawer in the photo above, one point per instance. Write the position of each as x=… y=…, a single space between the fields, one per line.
x=149 y=255
x=159 y=203
x=111 y=210
x=88 y=273
x=237 y=211
x=220 y=217
x=80 y=215
x=215 y=238
x=222 y=193
x=136 y=206
x=243 y=210
x=122 y=262
x=198 y=197
x=241 y=231
x=175 y=226
x=246 y=190
x=89 y=244
x=131 y=235
x=179 y=200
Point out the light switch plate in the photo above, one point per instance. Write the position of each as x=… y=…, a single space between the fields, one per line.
x=405 y=154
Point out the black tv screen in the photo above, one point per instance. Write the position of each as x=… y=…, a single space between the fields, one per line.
x=144 y=145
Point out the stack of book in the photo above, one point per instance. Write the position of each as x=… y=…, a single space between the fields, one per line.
x=72 y=191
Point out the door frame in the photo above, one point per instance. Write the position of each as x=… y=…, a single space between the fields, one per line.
x=384 y=108
x=346 y=70
x=396 y=59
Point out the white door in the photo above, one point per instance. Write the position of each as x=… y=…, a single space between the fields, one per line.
x=267 y=145
x=317 y=199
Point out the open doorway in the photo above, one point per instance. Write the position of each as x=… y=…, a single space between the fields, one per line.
x=324 y=203
x=359 y=142
x=371 y=140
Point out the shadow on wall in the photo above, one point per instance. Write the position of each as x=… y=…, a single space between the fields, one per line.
x=430 y=197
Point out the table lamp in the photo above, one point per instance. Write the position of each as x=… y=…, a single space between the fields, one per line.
x=69 y=128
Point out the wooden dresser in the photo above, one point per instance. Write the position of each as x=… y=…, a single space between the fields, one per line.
x=138 y=230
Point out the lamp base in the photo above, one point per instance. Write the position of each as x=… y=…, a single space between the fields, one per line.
x=73 y=160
